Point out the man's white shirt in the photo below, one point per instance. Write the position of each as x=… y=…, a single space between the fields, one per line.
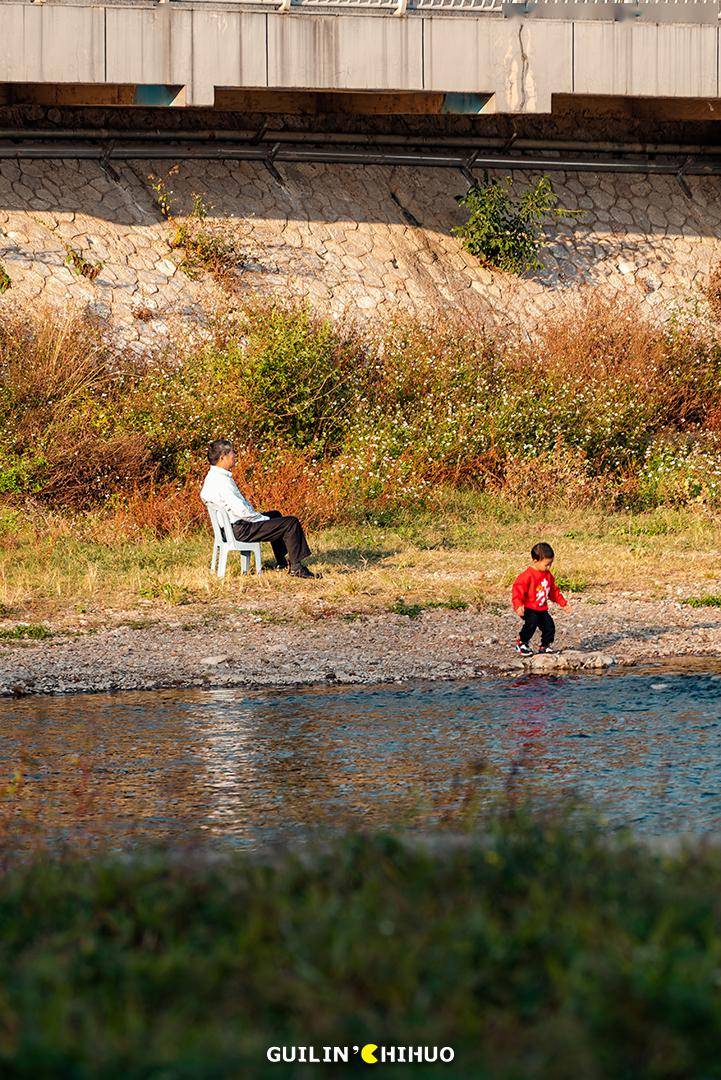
x=220 y=488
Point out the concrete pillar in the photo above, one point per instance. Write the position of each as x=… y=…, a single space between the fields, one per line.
x=521 y=62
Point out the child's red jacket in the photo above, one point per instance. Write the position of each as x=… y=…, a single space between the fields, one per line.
x=534 y=588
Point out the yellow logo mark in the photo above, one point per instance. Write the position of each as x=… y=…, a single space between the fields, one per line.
x=368 y=1053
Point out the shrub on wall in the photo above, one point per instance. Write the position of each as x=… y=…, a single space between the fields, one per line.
x=206 y=246
x=505 y=232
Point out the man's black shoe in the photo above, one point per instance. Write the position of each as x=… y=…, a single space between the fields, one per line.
x=303 y=571
x=281 y=565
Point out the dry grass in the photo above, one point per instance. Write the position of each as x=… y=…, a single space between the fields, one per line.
x=603 y=339
x=712 y=291
x=87 y=573
x=335 y=428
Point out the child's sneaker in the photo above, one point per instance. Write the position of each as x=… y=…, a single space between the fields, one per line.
x=523 y=649
x=546 y=649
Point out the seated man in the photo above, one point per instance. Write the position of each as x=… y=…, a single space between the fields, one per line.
x=285 y=533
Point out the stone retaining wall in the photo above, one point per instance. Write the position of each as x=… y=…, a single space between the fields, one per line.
x=365 y=241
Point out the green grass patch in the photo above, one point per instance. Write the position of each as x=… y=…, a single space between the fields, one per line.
x=33 y=631
x=411 y=611
x=272 y=618
x=573 y=584
x=168 y=591
x=540 y=949
x=454 y=604
x=712 y=600
x=415 y=610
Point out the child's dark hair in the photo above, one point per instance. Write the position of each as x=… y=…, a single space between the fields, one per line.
x=542 y=551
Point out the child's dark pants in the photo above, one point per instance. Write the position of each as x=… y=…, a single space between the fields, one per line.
x=537 y=620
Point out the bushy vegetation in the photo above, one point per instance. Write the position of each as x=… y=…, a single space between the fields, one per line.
x=336 y=423
x=205 y=246
x=504 y=232
x=537 y=949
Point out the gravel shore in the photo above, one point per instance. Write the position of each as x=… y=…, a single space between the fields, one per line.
x=245 y=650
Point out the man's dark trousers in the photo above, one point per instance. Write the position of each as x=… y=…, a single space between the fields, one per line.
x=284 y=533
x=541 y=620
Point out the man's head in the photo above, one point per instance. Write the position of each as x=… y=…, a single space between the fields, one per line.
x=543 y=556
x=222 y=454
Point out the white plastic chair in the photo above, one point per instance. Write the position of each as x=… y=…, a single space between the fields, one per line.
x=222 y=545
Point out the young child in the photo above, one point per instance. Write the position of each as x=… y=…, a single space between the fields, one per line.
x=531 y=592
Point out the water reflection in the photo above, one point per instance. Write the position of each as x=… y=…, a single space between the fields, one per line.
x=266 y=766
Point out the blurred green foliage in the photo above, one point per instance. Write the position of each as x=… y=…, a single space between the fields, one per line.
x=540 y=948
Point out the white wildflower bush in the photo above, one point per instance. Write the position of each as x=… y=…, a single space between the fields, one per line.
x=679 y=470
x=607 y=423
x=341 y=422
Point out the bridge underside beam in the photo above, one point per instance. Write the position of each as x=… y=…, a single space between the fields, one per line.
x=312 y=103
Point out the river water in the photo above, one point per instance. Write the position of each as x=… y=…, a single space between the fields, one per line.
x=261 y=767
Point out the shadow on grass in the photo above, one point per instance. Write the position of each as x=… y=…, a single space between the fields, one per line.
x=355 y=558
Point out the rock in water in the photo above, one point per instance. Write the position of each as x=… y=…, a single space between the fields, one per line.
x=571 y=660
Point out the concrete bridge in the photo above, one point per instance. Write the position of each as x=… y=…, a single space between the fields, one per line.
x=467 y=56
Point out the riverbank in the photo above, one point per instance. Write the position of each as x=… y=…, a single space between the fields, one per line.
x=257 y=649
x=83 y=608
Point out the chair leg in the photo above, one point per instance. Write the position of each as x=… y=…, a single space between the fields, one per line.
x=222 y=560
x=258 y=561
x=244 y=562
x=214 y=559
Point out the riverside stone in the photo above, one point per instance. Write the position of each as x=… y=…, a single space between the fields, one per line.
x=569 y=660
